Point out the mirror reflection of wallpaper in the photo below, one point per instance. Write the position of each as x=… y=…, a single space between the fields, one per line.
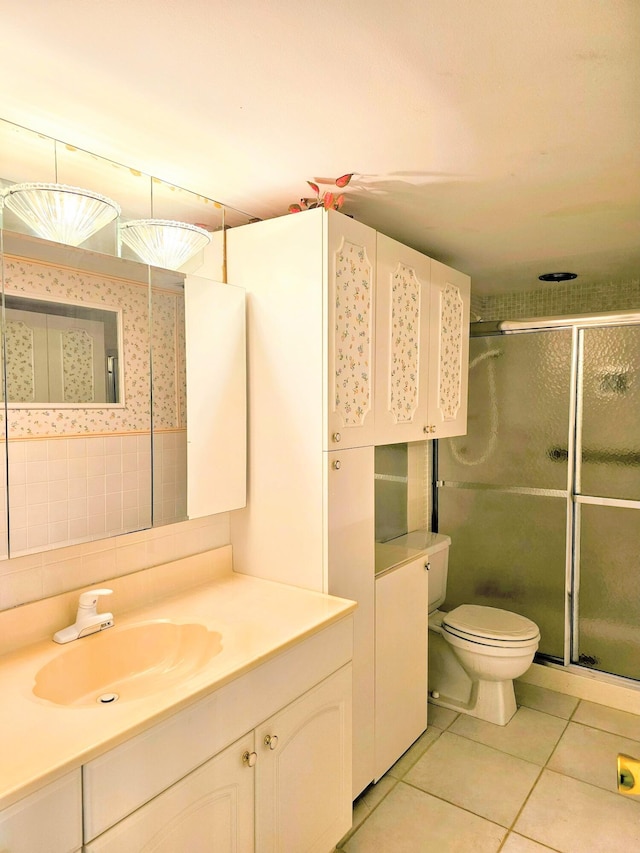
x=78 y=474
x=169 y=385
x=77 y=366
x=21 y=384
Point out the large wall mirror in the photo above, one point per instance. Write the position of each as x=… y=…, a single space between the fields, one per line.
x=102 y=370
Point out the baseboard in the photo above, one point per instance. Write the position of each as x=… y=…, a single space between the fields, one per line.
x=595 y=687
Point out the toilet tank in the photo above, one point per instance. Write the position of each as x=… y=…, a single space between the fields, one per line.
x=438 y=553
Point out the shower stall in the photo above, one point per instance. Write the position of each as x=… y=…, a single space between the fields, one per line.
x=541 y=498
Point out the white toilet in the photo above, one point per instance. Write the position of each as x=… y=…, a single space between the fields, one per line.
x=475 y=652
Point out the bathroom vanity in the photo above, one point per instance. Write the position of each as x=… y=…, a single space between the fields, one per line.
x=253 y=749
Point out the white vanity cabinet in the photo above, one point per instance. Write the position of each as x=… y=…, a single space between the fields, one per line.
x=422 y=346
x=262 y=764
x=303 y=784
x=50 y=819
x=210 y=809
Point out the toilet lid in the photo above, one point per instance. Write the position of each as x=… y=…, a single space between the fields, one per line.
x=490 y=623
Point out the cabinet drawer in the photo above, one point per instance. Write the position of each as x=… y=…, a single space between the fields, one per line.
x=50 y=819
x=132 y=774
x=210 y=809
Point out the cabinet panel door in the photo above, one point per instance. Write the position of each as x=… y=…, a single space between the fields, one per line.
x=402 y=343
x=50 y=819
x=350 y=259
x=402 y=603
x=351 y=558
x=449 y=351
x=303 y=772
x=211 y=809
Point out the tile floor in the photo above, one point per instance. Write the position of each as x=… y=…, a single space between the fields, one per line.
x=546 y=781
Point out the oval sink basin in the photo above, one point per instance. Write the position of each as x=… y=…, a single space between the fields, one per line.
x=131 y=662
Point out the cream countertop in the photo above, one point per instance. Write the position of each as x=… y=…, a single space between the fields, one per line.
x=39 y=741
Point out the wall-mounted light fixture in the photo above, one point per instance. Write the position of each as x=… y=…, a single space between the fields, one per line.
x=163 y=242
x=58 y=212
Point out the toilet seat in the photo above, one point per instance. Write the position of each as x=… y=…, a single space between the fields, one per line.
x=490 y=626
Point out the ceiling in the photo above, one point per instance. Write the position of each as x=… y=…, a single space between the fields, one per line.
x=499 y=136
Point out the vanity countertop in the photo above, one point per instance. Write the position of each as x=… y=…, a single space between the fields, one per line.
x=258 y=619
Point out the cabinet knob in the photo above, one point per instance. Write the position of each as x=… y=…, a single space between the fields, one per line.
x=249 y=758
x=271 y=741
x=432 y=429
x=426 y=429
x=336 y=436
x=427 y=566
x=336 y=464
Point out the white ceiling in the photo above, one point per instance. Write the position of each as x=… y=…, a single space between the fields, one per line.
x=500 y=136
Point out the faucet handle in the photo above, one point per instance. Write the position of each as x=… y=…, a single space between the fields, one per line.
x=88 y=600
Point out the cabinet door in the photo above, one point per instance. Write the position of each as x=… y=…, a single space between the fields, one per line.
x=448 y=351
x=349 y=327
x=402 y=343
x=351 y=556
x=402 y=602
x=50 y=819
x=303 y=772
x=211 y=809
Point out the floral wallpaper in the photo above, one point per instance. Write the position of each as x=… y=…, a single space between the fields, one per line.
x=164 y=341
x=352 y=341
x=450 y=351
x=405 y=347
x=20 y=370
x=77 y=366
x=35 y=278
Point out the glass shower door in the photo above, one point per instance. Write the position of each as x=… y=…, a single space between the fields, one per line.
x=503 y=492
x=606 y=618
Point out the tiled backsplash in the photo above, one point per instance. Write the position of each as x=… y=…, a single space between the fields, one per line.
x=555 y=299
x=47 y=573
x=65 y=490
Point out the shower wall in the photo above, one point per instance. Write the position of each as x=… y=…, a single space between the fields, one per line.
x=541 y=497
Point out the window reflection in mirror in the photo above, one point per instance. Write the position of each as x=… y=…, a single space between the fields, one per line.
x=60 y=353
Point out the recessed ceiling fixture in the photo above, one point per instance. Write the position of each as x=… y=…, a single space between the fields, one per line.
x=558 y=276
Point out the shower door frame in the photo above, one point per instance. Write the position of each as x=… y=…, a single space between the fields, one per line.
x=577 y=324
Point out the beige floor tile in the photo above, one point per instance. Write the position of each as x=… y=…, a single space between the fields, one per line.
x=608 y=719
x=590 y=755
x=529 y=734
x=573 y=817
x=416 y=751
x=410 y=821
x=476 y=777
x=518 y=844
x=541 y=699
x=439 y=717
x=376 y=793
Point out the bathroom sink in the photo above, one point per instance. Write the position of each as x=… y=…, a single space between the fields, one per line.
x=126 y=663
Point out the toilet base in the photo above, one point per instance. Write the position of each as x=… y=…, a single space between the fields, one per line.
x=492 y=701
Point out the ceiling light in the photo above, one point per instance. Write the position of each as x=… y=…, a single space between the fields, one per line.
x=162 y=242
x=57 y=212
x=558 y=276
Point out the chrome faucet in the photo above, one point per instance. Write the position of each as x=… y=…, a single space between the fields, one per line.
x=88 y=620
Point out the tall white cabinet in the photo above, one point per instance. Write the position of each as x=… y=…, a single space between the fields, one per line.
x=333 y=370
